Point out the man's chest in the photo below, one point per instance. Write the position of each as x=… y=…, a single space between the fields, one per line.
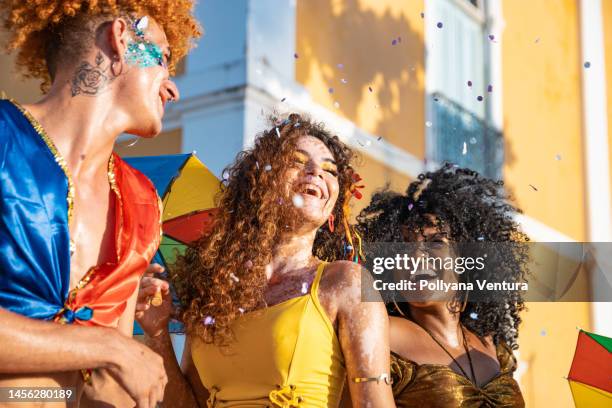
x=92 y=232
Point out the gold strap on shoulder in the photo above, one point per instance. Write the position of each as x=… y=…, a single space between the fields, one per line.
x=3 y=95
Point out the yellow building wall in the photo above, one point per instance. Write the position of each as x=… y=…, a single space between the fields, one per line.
x=606 y=12
x=359 y=35
x=542 y=112
x=542 y=119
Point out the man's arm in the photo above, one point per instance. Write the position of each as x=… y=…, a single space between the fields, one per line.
x=32 y=346
x=35 y=346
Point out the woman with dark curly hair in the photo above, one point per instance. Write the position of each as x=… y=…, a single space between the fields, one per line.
x=455 y=352
x=272 y=312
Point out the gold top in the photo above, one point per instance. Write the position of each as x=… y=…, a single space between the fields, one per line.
x=437 y=385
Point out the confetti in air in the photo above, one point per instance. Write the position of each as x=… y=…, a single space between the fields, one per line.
x=439 y=25
x=587 y=64
x=296 y=56
x=428 y=124
x=283 y=100
x=491 y=37
x=370 y=88
x=337 y=104
x=340 y=66
x=298 y=200
x=379 y=138
x=330 y=90
x=422 y=15
x=479 y=98
x=473 y=315
x=543 y=332
x=534 y=187
x=394 y=42
x=472 y=140
x=537 y=40
x=469 y=83
x=464 y=151
x=490 y=88
x=344 y=81
x=557 y=157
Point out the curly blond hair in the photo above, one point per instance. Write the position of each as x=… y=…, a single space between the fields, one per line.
x=39 y=30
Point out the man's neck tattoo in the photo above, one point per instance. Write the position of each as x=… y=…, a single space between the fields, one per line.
x=89 y=80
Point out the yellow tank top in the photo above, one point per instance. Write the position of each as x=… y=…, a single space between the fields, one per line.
x=286 y=355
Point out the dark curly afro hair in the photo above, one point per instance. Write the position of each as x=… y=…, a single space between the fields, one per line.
x=471 y=209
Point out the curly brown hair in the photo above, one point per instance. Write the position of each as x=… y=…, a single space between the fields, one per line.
x=222 y=275
x=42 y=30
x=474 y=209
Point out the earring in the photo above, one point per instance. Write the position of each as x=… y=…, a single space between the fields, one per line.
x=116 y=59
x=330 y=222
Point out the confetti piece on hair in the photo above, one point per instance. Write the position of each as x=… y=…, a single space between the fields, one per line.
x=472 y=140
x=479 y=98
x=208 y=320
x=587 y=64
x=439 y=25
x=257 y=165
x=248 y=264
x=490 y=88
x=296 y=56
x=298 y=200
x=349 y=248
x=267 y=167
x=410 y=206
x=336 y=104
x=464 y=152
x=234 y=277
x=469 y=83
x=370 y=88
x=241 y=310
x=344 y=81
x=330 y=90
x=296 y=124
x=480 y=238
x=534 y=188
x=473 y=315
x=278 y=132
x=428 y=124
x=304 y=287
x=225 y=175
x=557 y=157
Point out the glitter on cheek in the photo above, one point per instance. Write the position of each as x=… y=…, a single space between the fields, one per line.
x=144 y=54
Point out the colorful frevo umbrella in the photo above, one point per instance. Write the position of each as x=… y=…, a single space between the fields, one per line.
x=187 y=189
x=590 y=377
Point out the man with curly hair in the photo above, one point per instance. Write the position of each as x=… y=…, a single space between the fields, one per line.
x=78 y=226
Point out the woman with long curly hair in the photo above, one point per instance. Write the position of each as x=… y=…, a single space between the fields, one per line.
x=273 y=314
x=453 y=352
